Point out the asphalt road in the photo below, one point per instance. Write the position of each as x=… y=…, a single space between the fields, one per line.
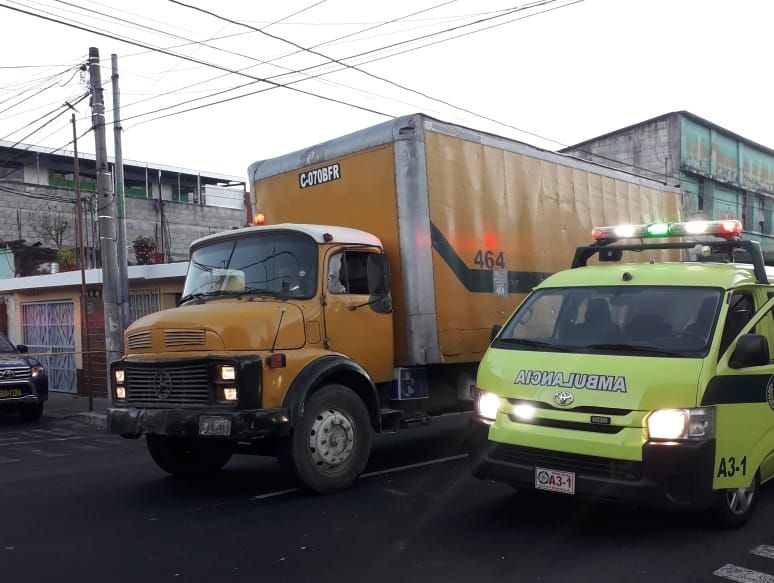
x=77 y=505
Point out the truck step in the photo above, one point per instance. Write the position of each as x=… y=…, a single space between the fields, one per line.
x=391 y=419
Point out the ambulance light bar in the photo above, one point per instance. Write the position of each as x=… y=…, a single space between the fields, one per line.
x=727 y=229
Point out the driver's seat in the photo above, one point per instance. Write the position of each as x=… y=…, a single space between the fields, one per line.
x=645 y=327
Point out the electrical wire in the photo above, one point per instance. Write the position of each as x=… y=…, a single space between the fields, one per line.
x=214 y=65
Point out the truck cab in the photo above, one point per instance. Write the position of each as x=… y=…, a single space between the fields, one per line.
x=648 y=382
x=282 y=334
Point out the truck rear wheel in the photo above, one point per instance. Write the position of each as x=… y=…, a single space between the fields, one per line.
x=331 y=443
x=734 y=508
x=188 y=457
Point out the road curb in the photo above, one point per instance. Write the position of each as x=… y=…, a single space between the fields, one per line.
x=98 y=420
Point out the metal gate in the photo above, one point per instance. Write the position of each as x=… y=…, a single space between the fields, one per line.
x=143 y=302
x=48 y=327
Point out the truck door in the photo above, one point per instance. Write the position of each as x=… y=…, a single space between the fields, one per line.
x=358 y=310
x=743 y=394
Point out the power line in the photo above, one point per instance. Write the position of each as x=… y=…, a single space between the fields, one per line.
x=335 y=70
x=292 y=53
x=353 y=67
x=214 y=65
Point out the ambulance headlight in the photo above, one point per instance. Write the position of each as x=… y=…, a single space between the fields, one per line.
x=487 y=405
x=673 y=424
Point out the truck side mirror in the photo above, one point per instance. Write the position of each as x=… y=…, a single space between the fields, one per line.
x=494 y=332
x=22 y=348
x=751 y=350
x=378 y=272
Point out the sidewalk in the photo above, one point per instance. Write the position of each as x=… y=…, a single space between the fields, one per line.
x=76 y=408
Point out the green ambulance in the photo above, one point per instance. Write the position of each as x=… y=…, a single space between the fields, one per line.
x=649 y=382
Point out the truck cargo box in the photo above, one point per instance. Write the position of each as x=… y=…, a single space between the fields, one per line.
x=470 y=221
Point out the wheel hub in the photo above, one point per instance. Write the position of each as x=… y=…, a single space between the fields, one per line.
x=740 y=499
x=331 y=439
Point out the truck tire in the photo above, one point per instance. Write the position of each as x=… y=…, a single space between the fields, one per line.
x=734 y=508
x=31 y=413
x=331 y=443
x=188 y=457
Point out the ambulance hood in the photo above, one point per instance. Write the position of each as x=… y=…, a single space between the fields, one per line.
x=638 y=383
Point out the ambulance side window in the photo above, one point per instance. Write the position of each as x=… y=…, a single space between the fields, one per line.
x=741 y=308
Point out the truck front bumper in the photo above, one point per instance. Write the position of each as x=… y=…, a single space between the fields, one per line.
x=245 y=425
x=670 y=475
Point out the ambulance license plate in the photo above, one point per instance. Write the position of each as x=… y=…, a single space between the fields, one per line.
x=214 y=425
x=555 y=481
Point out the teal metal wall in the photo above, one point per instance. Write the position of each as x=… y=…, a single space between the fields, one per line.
x=725 y=177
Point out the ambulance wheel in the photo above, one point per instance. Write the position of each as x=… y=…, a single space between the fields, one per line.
x=735 y=507
x=187 y=457
x=331 y=443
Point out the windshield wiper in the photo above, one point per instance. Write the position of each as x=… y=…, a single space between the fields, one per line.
x=536 y=344
x=194 y=296
x=635 y=348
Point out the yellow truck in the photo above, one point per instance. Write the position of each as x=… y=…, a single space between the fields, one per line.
x=363 y=299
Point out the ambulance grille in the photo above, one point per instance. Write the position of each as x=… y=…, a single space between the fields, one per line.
x=574 y=425
x=584 y=465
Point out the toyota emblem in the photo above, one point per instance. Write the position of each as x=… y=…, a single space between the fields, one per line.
x=162 y=384
x=563 y=398
x=8 y=374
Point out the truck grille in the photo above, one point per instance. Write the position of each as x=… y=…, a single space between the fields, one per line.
x=139 y=340
x=164 y=387
x=569 y=462
x=174 y=338
x=16 y=373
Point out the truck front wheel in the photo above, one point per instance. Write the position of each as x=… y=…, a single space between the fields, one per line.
x=188 y=457
x=331 y=443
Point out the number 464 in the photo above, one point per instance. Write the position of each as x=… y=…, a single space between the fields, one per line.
x=487 y=259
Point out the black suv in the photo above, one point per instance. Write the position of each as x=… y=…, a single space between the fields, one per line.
x=23 y=381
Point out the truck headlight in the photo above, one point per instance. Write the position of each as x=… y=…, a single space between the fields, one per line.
x=37 y=372
x=120 y=393
x=227 y=373
x=674 y=424
x=119 y=375
x=487 y=405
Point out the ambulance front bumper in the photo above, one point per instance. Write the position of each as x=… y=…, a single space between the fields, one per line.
x=670 y=475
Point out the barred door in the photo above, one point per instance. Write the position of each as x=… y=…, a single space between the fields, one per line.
x=48 y=327
x=143 y=302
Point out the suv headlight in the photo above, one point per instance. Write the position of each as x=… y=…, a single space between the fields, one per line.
x=37 y=372
x=672 y=424
x=487 y=405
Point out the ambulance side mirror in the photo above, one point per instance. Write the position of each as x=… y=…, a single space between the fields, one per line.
x=494 y=332
x=751 y=350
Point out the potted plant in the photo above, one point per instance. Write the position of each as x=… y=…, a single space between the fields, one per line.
x=143 y=249
x=66 y=259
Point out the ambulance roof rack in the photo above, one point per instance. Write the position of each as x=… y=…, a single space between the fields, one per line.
x=606 y=242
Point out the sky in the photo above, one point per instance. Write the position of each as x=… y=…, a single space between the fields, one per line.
x=566 y=70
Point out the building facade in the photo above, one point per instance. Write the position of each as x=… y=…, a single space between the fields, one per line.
x=45 y=312
x=173 y=206
x=721 y=174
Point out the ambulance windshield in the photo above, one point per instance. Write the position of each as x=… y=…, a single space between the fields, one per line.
x=636 y=321
x=274 y=263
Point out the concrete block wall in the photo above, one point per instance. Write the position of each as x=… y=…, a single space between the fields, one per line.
x=652 y=149
x=186 y=222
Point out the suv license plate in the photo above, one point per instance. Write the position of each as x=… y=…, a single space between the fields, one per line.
x=555 y=481
x=213 y=425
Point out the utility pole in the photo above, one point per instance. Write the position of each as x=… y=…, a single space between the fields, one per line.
x=123 y=264
x=107 y=226
x=85 y=344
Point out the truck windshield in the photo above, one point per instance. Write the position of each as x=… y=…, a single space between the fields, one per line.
x=635 y=321
x=276 y=263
